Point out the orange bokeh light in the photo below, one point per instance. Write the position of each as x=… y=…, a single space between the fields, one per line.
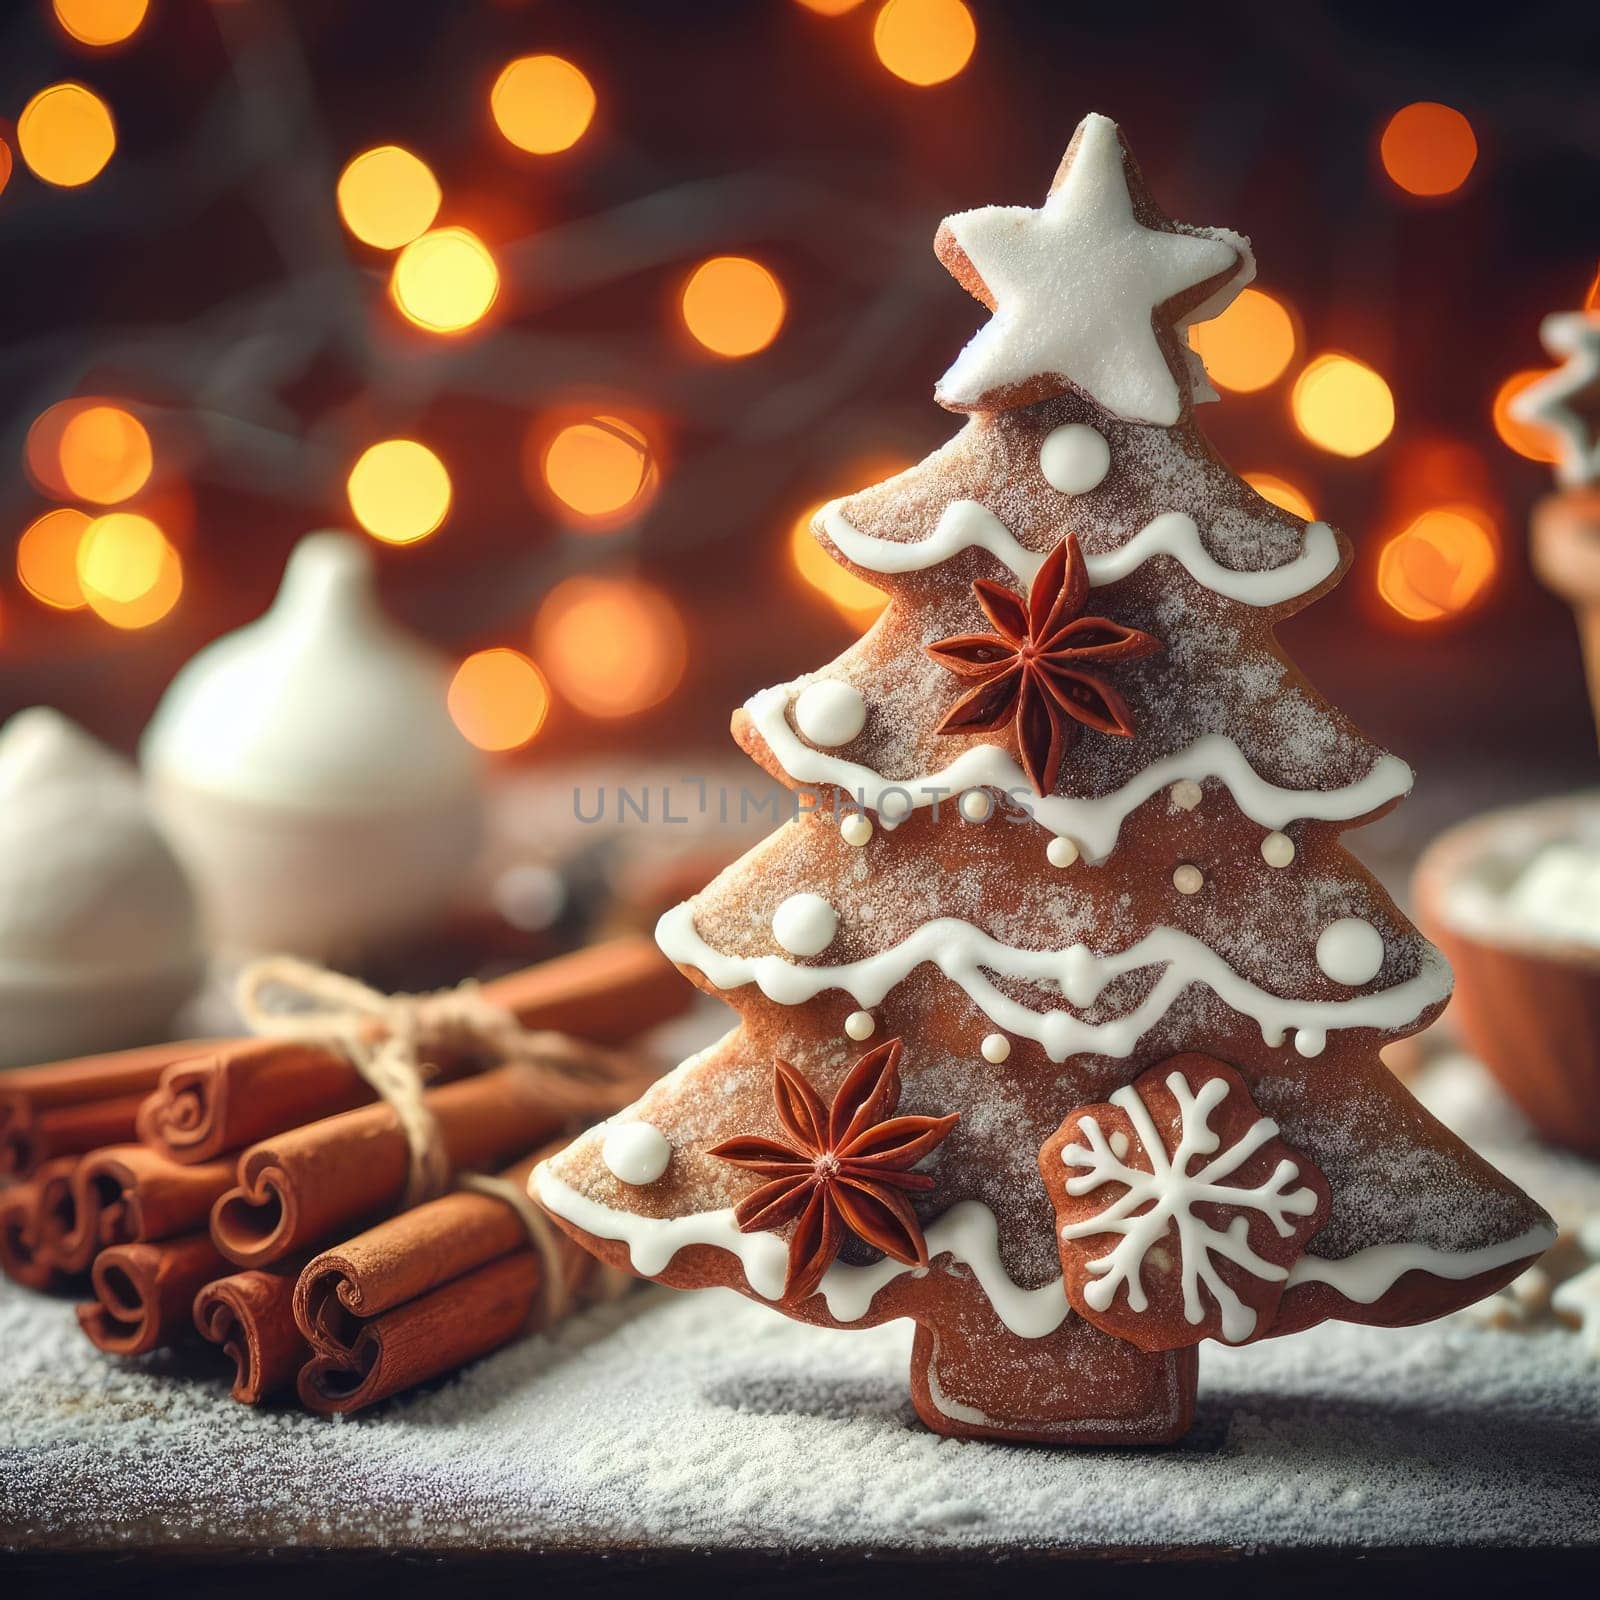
x=387 y=196
x=1341 y=405
x=101 y=22
x=603 y=469
x=1526 y=438
x=924 y=42
x=1440 y=564
x=105 y=454
x=732 y=305
x=1249 y=345
x=399 y=491
x=853 y=597
x=1428 y=149
x=47 y=558
x=66 y=135
x=130 y=573
x=830 y=8
x=5 y=165
x=498 y=699
x=1281 y=493
x=542 y=104
x=612 y=646
x=445 y=280
x=1591 y=301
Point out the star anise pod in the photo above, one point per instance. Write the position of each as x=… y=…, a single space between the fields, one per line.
x=1042 y=666
x=845 y=1166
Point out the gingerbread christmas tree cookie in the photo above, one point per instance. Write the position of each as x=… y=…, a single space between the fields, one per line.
x=1060 y=1001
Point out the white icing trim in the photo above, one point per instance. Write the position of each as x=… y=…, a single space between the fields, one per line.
x=967 y=525
x=969 y=1232
x=967 y=955
x=1093 y=823
x=1369 y=1274
x=947 y=1405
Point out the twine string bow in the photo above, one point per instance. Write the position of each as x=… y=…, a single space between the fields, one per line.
x=395 y=1043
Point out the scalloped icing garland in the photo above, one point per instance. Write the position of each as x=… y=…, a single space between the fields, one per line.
x=968 y=525
x=969 y=1233
x=965 y=953
x=1092 y=824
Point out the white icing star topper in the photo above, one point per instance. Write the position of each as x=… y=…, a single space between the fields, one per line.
x=1075 y=287
x=1566 y=402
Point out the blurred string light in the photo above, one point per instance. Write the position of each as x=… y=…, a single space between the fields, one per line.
x=101 y=22
x=1525 y=438
x=399 y=491
x=1428 y=149
x=1440 y=564
x=105 y=454
x=445 y=280
x=853 y=597
x=388 y=196
x=42 y=453
x=924 y=41
x=1281 y=493
x=66 y=135
x=1591 y=301
x=542 y=104
x=830 y=8
x=733 y=305
x=498 y=699
x=603 y=469
x=1341 y=405
x=47 y=558
x=5 y=165
x=1250 y=345
x=129 y=572
x=612 y=646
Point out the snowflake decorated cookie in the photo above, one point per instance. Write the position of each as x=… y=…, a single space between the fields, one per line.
x=1179 y=1208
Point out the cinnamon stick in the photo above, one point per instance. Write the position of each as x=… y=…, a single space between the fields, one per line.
x=125 y=1194
x=425 y=1337
x=247 y=1090
x=25 y=1256
x=302 y=1188
x=251 y=1315
x=424 y=1293
x=144 y=1293
x=67 y=1107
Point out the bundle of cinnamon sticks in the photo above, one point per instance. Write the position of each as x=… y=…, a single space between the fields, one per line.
x=254 y=1190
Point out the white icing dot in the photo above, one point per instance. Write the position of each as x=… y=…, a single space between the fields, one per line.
x=830 y=713
x=1350 y=951
x=856 y=829
x=1187 y=794
x=1188 y=879
x=1310 y=1041
x=977 y=805
x=996 y=1048
x=636 y=1152
x=860 y=1025
x=805 y=924
x=1074 y=458
x=1277 y=849
x=1061 y=852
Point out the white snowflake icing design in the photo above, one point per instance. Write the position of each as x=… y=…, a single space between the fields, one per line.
x=1169 y=1192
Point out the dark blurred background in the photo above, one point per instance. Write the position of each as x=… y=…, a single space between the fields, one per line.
x=206 y=285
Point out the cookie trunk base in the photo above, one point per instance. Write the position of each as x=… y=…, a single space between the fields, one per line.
x=972 y=1378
